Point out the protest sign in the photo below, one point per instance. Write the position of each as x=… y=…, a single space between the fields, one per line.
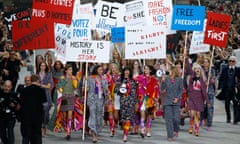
x=188 y=17
x=32 y=35
x=18 y=14
x=88 y=51
x=197 y=45
x=216 y=32
x=82 y=21
x=132 y=14
x=159 y=12
x=53 y=10
x=62 y=34
x=118 y=34
x=106 y=15
x=145 y=42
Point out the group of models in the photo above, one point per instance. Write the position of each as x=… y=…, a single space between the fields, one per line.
x=130 y=96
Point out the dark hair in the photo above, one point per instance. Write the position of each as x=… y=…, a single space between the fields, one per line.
x=34 y=78
x=58 y=61
x=151 y=68
x=179 y=62
x=130 y=73
x=95 y=70
x=67 y=67
x=43 y=62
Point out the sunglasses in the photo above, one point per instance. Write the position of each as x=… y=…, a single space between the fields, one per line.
x=232 y=61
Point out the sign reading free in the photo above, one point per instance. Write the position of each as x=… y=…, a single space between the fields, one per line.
x=188 y=17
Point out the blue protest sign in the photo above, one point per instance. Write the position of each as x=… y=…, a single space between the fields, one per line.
x=118 y=34
x=188 y=17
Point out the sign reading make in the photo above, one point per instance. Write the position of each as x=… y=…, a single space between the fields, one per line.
x=188 y=17
x=216 y=32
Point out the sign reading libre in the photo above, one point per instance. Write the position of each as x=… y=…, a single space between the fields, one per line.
x=217 y=29
x=188 y=17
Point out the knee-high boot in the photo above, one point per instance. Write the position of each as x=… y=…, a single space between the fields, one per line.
x=111 y=125
x=197 y=124
x=191 y=124
x=126 y=126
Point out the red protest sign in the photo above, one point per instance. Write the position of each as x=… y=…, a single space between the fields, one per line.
x=32 y=35
x=53 y=10
x=216 y=32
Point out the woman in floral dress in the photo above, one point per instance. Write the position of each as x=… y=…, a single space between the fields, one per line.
x=126 y=89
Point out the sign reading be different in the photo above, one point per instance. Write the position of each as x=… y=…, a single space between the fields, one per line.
x=188 y=18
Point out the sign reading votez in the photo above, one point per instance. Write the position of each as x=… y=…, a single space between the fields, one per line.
x=216 y=32
x=145 y=42
x=188 y=17
x=32 y=34
x=82 y=21
x=60 y=11
x=88 y=51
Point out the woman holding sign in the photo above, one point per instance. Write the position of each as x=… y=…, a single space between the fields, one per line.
x=196 y=96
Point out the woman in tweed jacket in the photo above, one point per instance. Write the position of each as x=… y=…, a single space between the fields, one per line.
x=97 y=91
x=173 y=85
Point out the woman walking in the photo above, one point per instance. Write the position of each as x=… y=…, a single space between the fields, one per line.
x=147 y=93
x=196 y=96
x=46 y=82
x=67 y=86
x=126 y=89
x=173 y=86
x=97 y=91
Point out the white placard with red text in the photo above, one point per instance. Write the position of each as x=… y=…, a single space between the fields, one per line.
x=88 y=51
x=145 y=42
x=159 y=12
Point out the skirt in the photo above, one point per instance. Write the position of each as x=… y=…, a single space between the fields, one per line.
x=67 y=102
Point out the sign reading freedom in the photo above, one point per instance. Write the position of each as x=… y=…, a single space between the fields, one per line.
x=32 y=35
x=57 y=10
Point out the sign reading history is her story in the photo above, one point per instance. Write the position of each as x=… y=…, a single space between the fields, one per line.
x=188 y=17
x=145 y=42
x=88 y=51
x=216 y=32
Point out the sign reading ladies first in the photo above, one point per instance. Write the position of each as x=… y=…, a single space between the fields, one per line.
x=188 y=17
x=217 y=29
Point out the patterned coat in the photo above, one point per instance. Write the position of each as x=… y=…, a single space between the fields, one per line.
x=173 y=90
x=128 y=99
x=95 y=101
